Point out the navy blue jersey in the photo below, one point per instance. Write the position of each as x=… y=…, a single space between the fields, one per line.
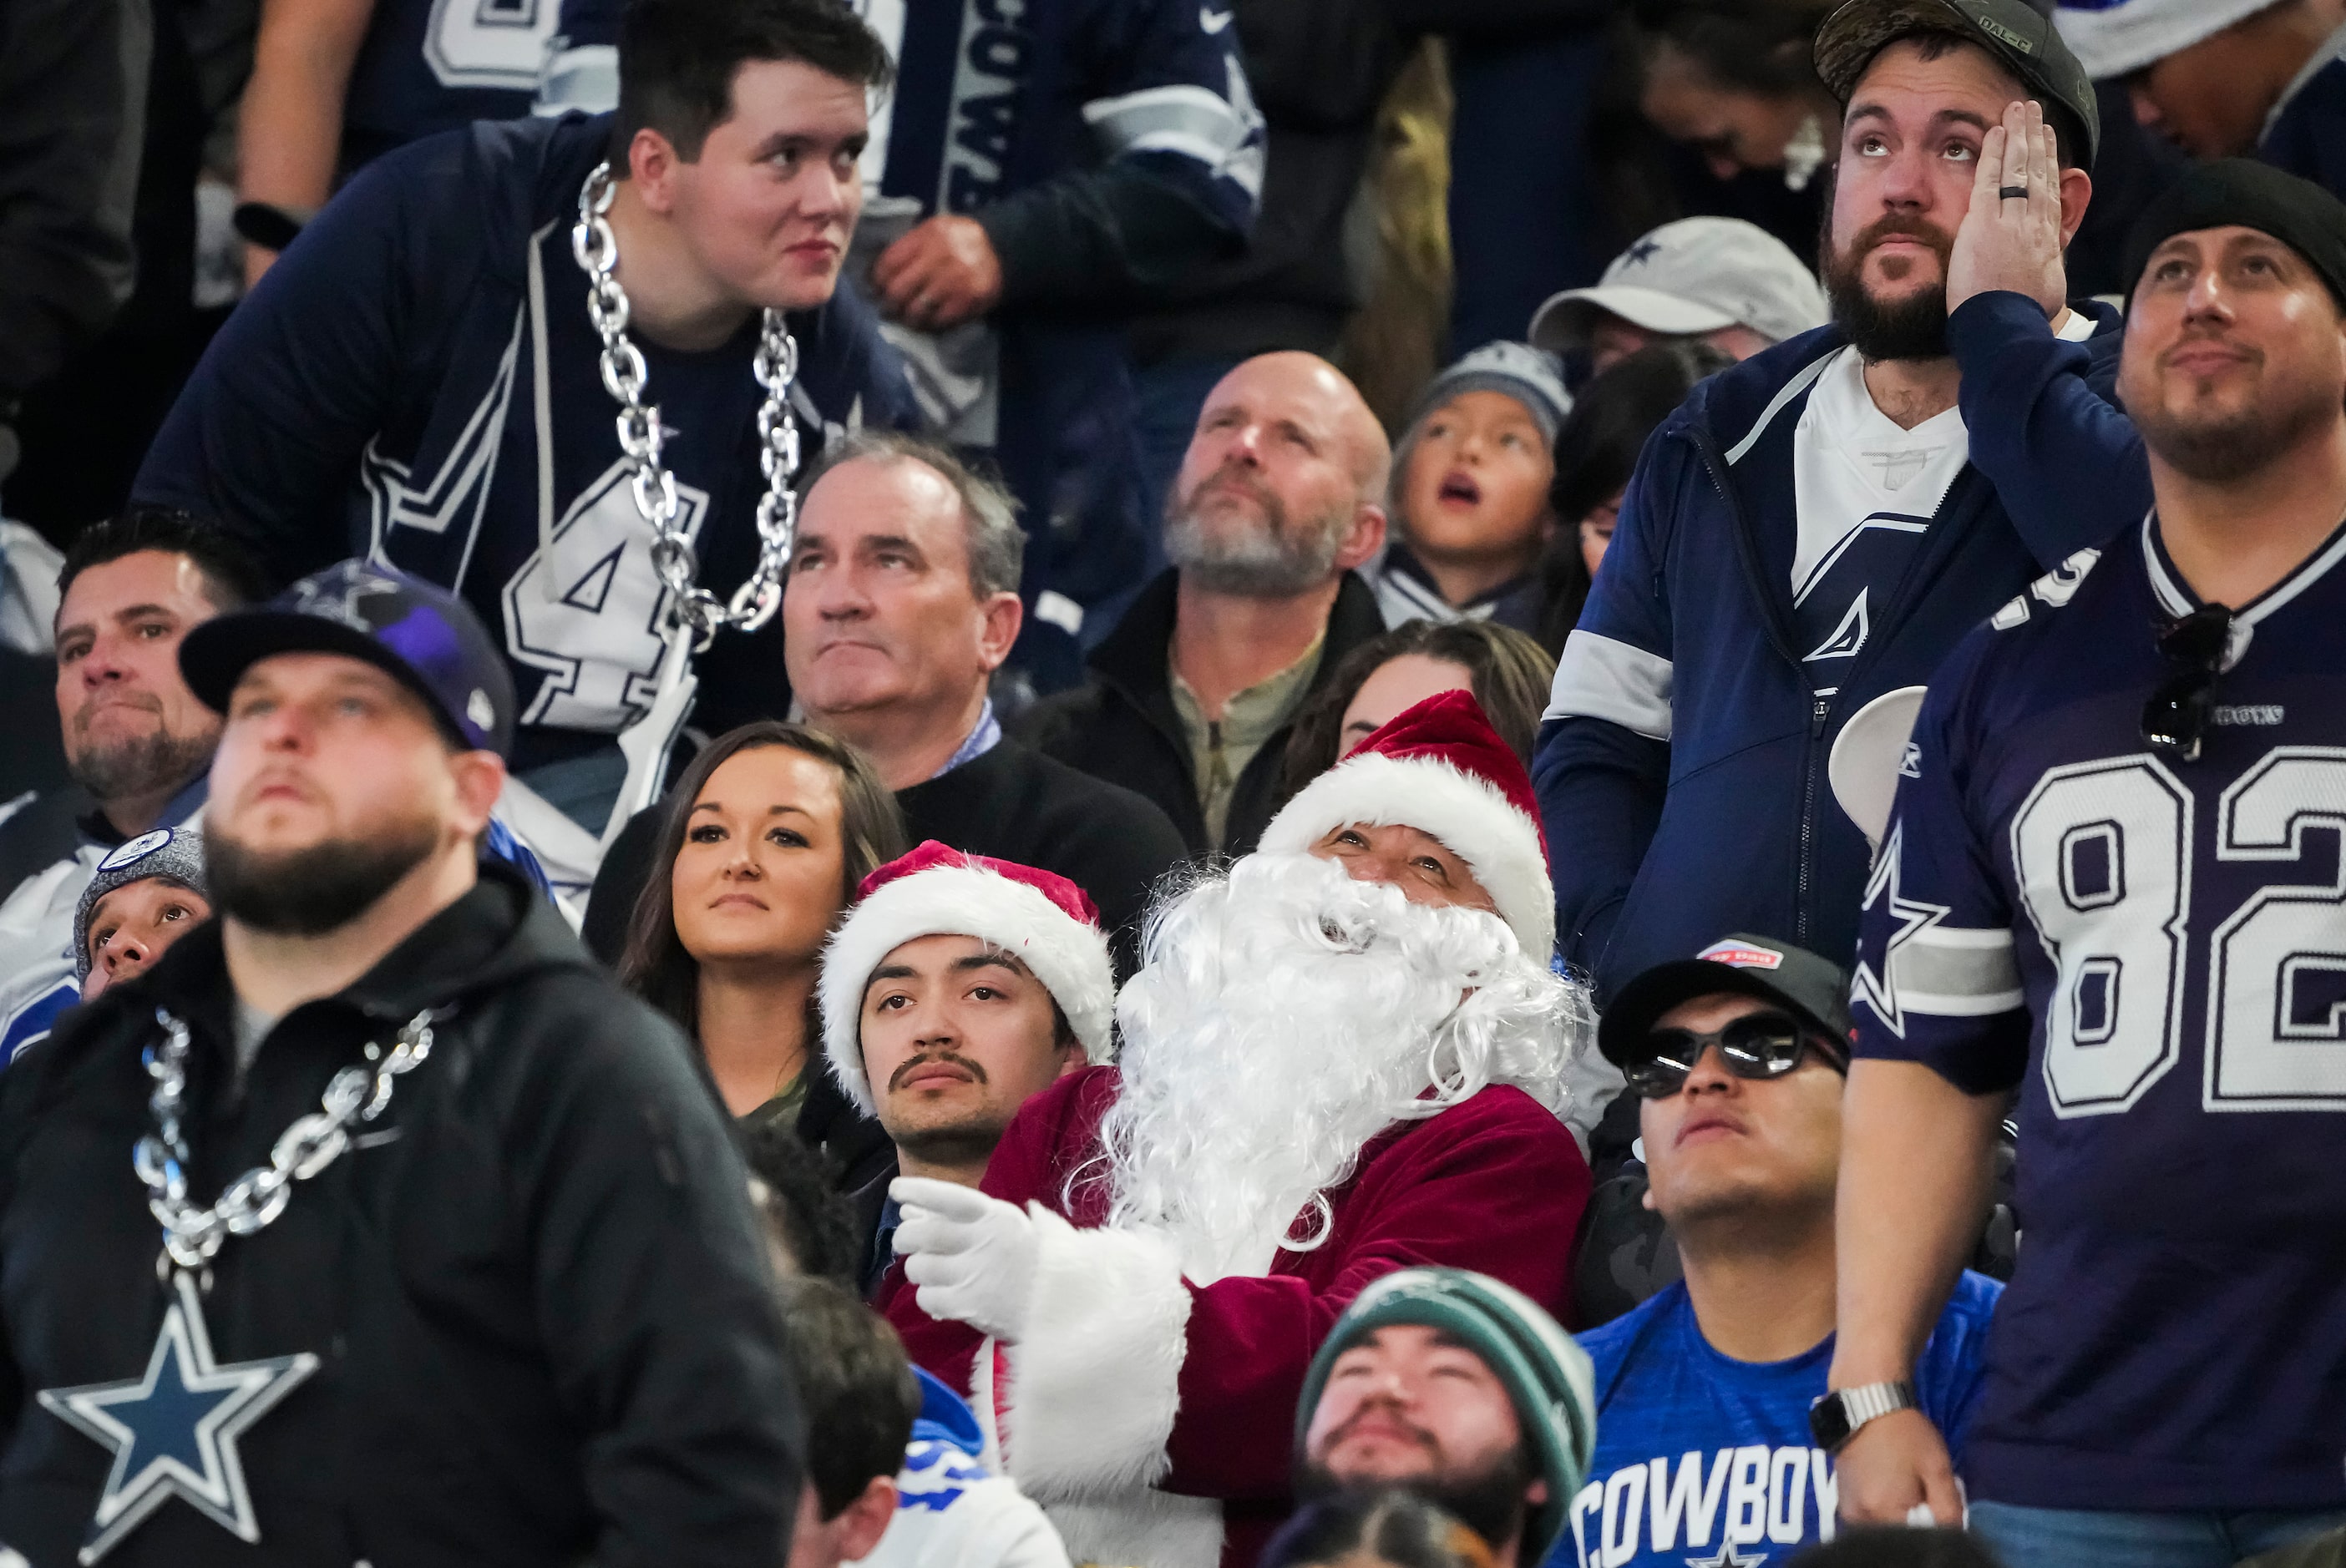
x=417 y=380
x=430 y=65
x=2153 y=952
x=2306 y=134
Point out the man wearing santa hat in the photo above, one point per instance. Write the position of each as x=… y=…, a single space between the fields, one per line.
x=1342 y=1057
x=958 y=989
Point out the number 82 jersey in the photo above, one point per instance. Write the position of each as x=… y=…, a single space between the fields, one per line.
x=2152 y=951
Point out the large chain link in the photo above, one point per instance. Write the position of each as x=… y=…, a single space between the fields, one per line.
x=192 y=1236
x=694 y=608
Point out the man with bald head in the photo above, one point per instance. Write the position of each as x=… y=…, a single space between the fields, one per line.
x=1278 y=498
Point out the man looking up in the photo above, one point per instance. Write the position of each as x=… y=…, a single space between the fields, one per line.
x=1737 y=1057
x=532 y=1245
x=422 y=380
x=1458 y=1388
x=1190 y=699
x=2109 y=884
x=1818 y=526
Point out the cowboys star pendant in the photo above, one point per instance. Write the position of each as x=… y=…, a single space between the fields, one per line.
x=174 y=1429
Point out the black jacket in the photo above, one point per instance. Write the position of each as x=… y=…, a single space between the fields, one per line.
x=1122 y=727
x=535 y=1285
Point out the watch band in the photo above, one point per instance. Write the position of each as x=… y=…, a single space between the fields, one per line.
x=1841 y=1413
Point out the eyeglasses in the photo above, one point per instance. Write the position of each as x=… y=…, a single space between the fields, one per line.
x=2176 y=717
x=1758 y=1045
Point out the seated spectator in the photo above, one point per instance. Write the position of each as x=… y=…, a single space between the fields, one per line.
x=1458 y=1391
x=1191 y=697
x=860 y=1399
x=143 y=897
x=1369 y=1528
x=957 y=990
x=1390 y=672
x=1732 y=80
x=903 y=600
x=1343 y=1055
x=762 y=846
x=810 y=1225
x=1719 y=280
x=1596 y=451
x=1470 y=510
x=2227 y=78
x=1703 y=1392
x=137 y=741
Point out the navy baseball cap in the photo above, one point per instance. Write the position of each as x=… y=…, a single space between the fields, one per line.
x=1813 y=989
x=418 y=632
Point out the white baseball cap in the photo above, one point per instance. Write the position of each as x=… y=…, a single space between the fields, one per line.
x=2115 y=38
x=1696 y=275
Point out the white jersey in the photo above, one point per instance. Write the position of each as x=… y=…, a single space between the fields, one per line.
x=952 y=1514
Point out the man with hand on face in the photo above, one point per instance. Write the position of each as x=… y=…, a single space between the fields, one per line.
x=1737 y=1057
x=1344 y=1056
x=958 y=989
x=1453 y=1387
x=429 y=377
x=2109 y=885
x=1817 y=526
x=488 y=1207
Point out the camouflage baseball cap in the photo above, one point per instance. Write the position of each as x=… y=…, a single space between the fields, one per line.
x=2017 y=34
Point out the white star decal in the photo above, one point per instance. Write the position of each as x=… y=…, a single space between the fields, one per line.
x=1871 y=985
x=1728 y=1555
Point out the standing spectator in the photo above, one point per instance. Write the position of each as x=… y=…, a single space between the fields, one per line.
x=540 y=1255
x=2100 y=890
x=1469 y=510
x=420 y=381
x=138 y=741
x=958 y=989
x=1190 y=699
x=1811 y=529
x=1458 y=1389
x=1394 y=672
x=143 y=897
x=1737 y=1057
x=1345 y=1056
x=1729 y=283
x=761 y=847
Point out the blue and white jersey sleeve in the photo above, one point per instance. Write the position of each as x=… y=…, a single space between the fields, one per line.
x=1181 y=105
x=1616 y=662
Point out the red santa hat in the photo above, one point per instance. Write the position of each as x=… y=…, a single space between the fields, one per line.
x=1042 y=920
x=1440 y=767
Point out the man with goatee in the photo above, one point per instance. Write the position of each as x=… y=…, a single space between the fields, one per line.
x=373 y=1223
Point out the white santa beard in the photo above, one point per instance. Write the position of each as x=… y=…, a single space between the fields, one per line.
x=1286 y=1015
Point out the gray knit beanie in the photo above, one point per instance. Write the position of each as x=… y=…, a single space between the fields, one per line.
x=174 y=854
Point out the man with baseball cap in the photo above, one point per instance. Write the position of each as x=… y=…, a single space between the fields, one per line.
x=1706 y=1447
x=1730 y=283
x=1818 y=526
x=488 y=1287
x=1461 y=1389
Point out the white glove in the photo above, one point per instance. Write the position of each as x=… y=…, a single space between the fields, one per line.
x=972 y=1256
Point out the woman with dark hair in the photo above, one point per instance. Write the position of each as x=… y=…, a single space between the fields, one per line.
x=1735 y=81
x=1367 y=1528
x=1504 y=668
x=768 y=834
x=1596 y=451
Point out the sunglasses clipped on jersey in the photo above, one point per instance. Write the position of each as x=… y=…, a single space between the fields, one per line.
x=1758 y=1046
x=2175 y=720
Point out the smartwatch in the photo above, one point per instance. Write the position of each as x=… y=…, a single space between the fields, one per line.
x=1834 y=1419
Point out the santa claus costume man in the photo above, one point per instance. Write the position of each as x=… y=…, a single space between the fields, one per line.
x=1343 y=1057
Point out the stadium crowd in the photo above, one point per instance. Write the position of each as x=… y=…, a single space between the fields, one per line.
x=814 y=800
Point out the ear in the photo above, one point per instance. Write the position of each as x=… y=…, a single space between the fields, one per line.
x=1364 y=538
x=652 y=163
x=2076 y=192
x=1071 y=1058
x=1003 y=614
x=480 y=779
x=858 y=1527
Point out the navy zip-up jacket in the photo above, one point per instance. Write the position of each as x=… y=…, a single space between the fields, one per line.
x=1682 y=767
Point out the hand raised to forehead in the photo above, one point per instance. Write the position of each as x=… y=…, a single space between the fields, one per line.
x=2010 y=236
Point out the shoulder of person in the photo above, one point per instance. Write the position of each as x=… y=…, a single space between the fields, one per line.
x=1054 y=1131
x=1051 y=721
x=1096 y=807
x=1611 y=1345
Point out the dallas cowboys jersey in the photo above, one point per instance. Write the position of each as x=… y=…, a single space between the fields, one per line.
x=430 y=65
x=2153 y=951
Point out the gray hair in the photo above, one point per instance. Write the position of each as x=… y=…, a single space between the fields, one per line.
x=989 y=514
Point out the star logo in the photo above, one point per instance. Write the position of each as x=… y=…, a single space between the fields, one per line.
x=174 y=1429
x=1872 y=984
x=1728 y=1555
x=334 y=596
x=1643 y=252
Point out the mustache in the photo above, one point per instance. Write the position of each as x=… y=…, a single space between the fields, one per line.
x=144 y=701
x=1893 y=226
x=1383 y=1408
x=1232 y=475
x=932 y=1058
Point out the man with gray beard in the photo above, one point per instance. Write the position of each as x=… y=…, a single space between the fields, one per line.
x=1345 y=1056
x=1191 y=695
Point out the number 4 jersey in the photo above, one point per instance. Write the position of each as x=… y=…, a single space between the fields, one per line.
x=2153 y=951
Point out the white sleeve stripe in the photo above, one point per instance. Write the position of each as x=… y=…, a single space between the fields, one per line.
x=1181 y=117
x=1600 y=678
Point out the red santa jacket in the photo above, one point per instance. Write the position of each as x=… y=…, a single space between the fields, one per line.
x=1134 y=1384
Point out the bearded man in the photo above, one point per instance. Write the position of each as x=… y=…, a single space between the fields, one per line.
x=1343 y=1057
x=489 y=1288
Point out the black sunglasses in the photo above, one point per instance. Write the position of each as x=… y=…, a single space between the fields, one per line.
x=2176 y=717
x=1759 y=1045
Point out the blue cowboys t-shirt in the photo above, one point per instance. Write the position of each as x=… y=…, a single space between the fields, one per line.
x=1705 y=1461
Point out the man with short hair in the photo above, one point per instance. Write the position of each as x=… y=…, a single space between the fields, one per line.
x=423 y=380
x=2109 y=886
x=1459 y=1389
x=957 y=989
x=1737 y=1057
x=1345 y=1055
x=137 y=739
x=1817 y=526
x=532 y=1244
x=1190 y=699
x=860 y=1400
x=1728 y=283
